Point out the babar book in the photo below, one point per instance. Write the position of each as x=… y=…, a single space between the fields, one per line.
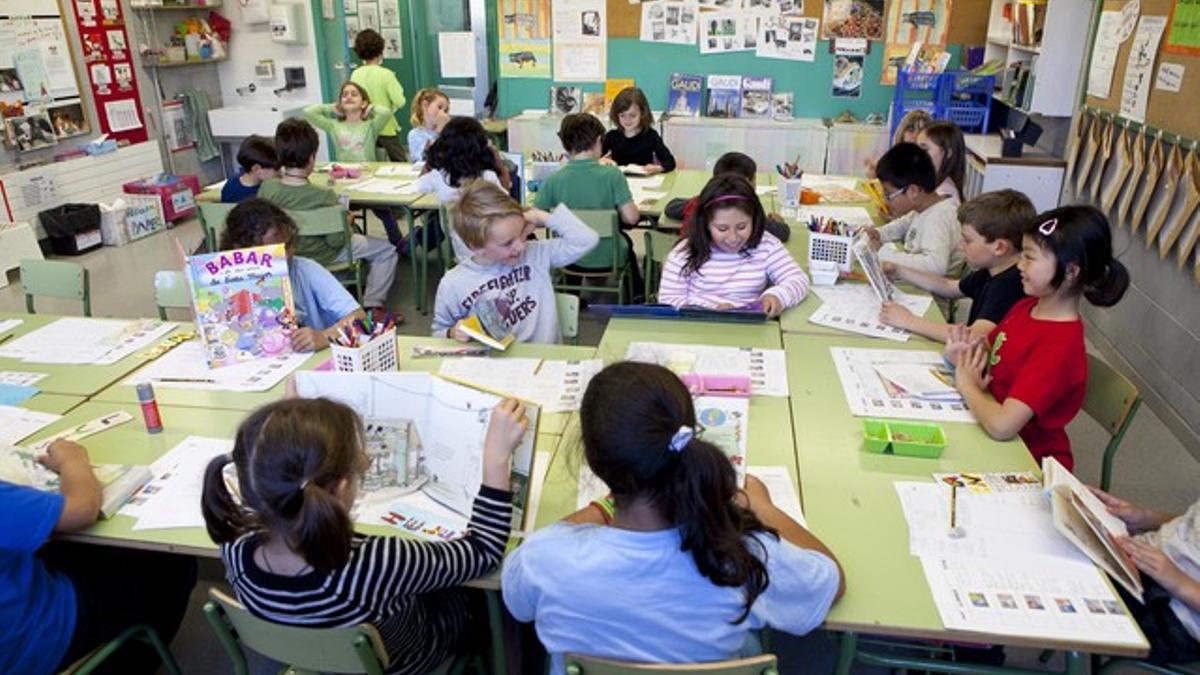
x=243 y=304
x=683 y=95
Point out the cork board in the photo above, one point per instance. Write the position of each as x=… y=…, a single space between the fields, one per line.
x=968 y=19
x=1170 y=111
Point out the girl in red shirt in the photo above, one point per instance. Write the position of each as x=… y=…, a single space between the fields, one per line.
x=1030 y=376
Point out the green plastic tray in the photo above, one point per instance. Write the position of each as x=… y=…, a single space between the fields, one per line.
x=916 y=439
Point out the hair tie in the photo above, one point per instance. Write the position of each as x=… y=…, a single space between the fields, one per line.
x=725 y=198
x=681 y=439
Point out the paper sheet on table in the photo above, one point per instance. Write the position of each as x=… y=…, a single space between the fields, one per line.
x=1029 y=596
x=784 y=494
x=399 y=170
x=766 y=368
x=644 y=183
x=557 y=386
x=82 y=340
x=919 y=381
x=643 y=197
x=855 y=308
x=9 y=324
x=20 y=377
x=761 y=190
x=851 y=215
x=541 y=465
x=186 y=362
x=869 y=395
x=816 y=181
x=172 y=498
x=17 y=423
x=1008 y=524
x=385 y=187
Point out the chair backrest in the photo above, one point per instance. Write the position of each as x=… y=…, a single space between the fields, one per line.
x=322 y=221
x=568 y=316
x=56 y=279
x=578 y=664
x=1111 y=400
x=658 y=246
x=171 y=292
x=212 y=220
x=358 y=649
x=612 y=250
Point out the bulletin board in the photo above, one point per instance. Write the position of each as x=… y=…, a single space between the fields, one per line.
x=1174 y=112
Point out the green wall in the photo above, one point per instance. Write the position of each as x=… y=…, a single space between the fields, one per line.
x=650 y=65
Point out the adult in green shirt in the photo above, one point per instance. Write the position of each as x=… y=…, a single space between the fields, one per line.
x=382 y=87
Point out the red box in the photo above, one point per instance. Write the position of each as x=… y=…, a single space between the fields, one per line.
x=178 y=193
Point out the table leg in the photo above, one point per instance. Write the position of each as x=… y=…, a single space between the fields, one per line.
x=847 y=647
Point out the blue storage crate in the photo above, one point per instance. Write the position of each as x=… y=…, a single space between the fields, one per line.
x=959 y=96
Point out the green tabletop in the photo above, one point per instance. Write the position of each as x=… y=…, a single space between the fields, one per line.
x=69 y=379
x=685 y=184
x=56 y=404
x=851 y=503
x=622 y=331
x=412 y=200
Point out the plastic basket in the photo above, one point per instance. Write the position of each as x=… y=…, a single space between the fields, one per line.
x=968 y=117
x=378 y=355
x=831 y=248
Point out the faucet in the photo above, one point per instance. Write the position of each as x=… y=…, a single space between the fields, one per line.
x=248 y=89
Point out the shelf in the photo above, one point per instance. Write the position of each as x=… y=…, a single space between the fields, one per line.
x=151 y=8
x=176 y=64
x=1032 y=49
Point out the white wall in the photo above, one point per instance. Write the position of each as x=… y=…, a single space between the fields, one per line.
x=250 y=44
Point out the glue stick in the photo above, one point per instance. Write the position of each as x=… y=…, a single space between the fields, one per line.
x=145 y=394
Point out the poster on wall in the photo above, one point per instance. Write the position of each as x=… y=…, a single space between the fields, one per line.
x=787 y=37
x=580 y=40
x=728 y=32
x=852 y=19
x=351 y=30
x=1139 y=69
x=1183 y=30
x=368 y=16
x=910 y=21
x=524 y=40
x=111 y=76
x=389 y=14
x=670 y=21
x=29 y=132
x=392 y=46
x=847 y=76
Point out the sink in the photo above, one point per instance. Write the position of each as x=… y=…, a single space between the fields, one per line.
x=240 y=121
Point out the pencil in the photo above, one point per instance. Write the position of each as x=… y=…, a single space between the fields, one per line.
x=202 y=380
x=953 y=505
x=6 y=338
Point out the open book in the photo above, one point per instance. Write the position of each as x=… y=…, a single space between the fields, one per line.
x=425 y=434
x=1085 y=521
x=870 y=263
x=486 y=324
x=118 y=481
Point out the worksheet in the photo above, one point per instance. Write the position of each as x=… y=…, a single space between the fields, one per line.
x=17 y=423
x=79 y=340
x=184 y=367
x=766 y=368
x=855 y=308
x=555 y=385
x=870 y=394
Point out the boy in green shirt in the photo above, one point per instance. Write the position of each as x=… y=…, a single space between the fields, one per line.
x=296 y=143
x=382 y=87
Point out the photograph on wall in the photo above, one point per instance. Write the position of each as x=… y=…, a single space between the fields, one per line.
x=728 y=32
x=368 y=16
x=671 y=21
x=787 y=37
x=29 y=132
x=392 y=46
x=111 y=11
x=910 y=21
x=93 y=48
x=9 y=81
x=847 y=76
x=86 y=9
x=68 y=119
x=852 y=19
x=524 y=40
x=123 y=74
x=116 y=41
x=389 y=14
x=351 y=30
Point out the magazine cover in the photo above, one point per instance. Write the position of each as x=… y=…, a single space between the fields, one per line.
x=243 y=304
x=756 y=96
x=783 y=105
x=724 y=96
x=683 y=95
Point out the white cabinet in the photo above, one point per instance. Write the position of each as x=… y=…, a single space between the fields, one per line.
x=697 y=142
x=1038 y=174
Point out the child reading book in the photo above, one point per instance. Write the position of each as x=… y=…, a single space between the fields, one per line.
x=633 y=142
x=729 y=260
x=382 y=87
x=993 y=225
x=506 y=269
x=1029 y=376
x=299 y=462
x=258 y=162
x=928 y=239
x=679 y=565
x=430 y=112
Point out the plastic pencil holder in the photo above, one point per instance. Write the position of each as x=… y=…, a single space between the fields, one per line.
x=377 y=355
x=831 y=248
x=790 y=190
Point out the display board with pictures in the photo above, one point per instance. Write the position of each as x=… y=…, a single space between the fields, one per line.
x=39 y=93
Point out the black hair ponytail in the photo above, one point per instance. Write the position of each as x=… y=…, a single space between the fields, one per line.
x=224 y=518
x=1110 y=287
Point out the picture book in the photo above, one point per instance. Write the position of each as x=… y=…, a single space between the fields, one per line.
x=243 y=304
x=756 y=97
x=612 y=87
x=486 y=324
x=425 y=434
x=1084 y=520
x=684 y=95
x=783 y=105
x=724 y=97
x=565 y=100
x=867 y=257
x=118 y=481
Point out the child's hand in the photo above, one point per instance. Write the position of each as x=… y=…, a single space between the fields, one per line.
x=366 y=111
x=455 y=334
x=63 y=454
x=536 y=217
x=970 y=368
x=890 y=269
x=504 y=433
x=1137 y=518
x=308 y=340
x=958 y=340
x=607 y=159
x=874 y=237
x=771 y=305
x=1155 y=564
x=652 y=169
x=895 y=314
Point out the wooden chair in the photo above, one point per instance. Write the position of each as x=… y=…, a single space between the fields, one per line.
x=171 y=292
x=56 y=279
x=568 y=316
x=333 y=220
x=141 y=632
x=212 y=221
x=1112 y=400
x=658 y=246
x=578 y=664
x=610 y=259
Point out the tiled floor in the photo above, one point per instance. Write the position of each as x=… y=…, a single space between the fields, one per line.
x=1153 y=467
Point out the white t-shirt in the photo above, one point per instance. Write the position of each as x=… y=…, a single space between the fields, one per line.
x=1179 y=538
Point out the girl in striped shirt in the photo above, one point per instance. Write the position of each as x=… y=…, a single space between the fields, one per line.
x=291 y=553
x=728 y=260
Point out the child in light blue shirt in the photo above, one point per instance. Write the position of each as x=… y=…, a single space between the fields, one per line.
x=642 y=576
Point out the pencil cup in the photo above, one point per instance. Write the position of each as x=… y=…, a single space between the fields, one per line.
x=789 y=191
x=378 y=355
x=831 y=248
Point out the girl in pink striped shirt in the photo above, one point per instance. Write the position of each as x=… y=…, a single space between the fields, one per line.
x=728 y=260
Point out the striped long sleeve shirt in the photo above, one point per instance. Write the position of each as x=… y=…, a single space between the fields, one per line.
x=388 y=582
x=737 y=279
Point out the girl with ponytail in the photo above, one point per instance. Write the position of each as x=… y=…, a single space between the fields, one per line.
x=1030 y=375
x=290 y=550
x=680 y=565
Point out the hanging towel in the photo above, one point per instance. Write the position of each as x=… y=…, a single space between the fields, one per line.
x=195 y=107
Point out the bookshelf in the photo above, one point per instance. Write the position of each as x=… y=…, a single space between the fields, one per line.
x=1042 y=44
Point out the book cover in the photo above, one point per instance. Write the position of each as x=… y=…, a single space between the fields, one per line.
x=565 y=100
x=724 y=96
x=243 y=304
x=613 y=87
x=486 y=324
x=118 y=482
x=783 y=105
x=756 y=97
x=869 y=261
x=684 y=95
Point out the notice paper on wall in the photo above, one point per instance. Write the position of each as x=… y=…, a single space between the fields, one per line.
x=122 y=115
x=672 y=21
x=580 y=40
x=1139 y=70
x=1104 y=54
x=1170 y=77
x=456 y=54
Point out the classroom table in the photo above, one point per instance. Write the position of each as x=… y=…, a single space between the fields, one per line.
x=685 y=184
x=360 y=200
x=621 y=331
x=56 y=404
x=851 y=504
x=71 y=379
